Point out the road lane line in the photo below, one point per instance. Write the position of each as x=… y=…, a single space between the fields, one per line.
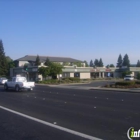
x=52 y=125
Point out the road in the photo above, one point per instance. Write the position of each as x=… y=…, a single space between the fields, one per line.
x=101 y=114
x=94 y=83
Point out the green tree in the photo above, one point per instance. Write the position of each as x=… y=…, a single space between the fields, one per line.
x=111 y=65
x=78 y=64
x=138 y=64
x=37 y=62
x=86 y=63
x=119 y=63
x=66 y=64
x=11 y=64
x=44 y=71
x=47 y=62
x=100 y=63
x=25 y=67
x=138 y=76
x=107 y=66
x=91 y=63
x=3 y=61
x=126 y=73
x=55 y=68
x=126 y=61
x=96 y=63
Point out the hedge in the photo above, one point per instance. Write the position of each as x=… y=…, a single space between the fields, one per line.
x=137 y=82
x=124 y=83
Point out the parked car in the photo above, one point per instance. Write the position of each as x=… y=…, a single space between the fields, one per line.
x=3 y=80
x=129 y=77
x=19 y=83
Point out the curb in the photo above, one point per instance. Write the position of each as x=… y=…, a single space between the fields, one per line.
x=121 y=90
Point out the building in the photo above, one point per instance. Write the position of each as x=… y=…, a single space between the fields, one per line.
x=70 y=70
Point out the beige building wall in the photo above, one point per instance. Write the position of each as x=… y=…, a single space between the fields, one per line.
x=133 y=74
x=84 y=75
x=21 y=63
x=40 y=77
x=71 y=74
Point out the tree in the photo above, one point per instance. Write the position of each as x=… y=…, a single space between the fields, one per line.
x=126 y=61
x=3 y=61
x=47 y=62
x=107 y=66
x=11 y=64
x=138 y=64
x=55 y=68
x=126 y=73
x=119 y=63
x=37 y=62
x=86 y=64
x=66 y=64
x=111 y=65
x=78 y=64
x=25 y=67
x=100 y=63
x=45 y=71
x=138 y=76
x=96 y=62
x=91 y=63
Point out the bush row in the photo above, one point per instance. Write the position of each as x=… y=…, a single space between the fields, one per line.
x=120 y=86
x=76 y=79
x=125 y=84
x=63 y=80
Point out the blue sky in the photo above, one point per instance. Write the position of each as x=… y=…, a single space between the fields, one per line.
x=81 y=29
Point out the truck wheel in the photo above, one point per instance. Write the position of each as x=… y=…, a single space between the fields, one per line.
x=17 y=88
x=5 y=87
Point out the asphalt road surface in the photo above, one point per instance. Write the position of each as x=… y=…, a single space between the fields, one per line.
x=101 y=114
x=94 y=84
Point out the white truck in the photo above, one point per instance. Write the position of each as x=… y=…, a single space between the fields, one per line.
x=19 y=83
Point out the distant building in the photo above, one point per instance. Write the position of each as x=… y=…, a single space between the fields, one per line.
x=71 y=70
x=30 y=59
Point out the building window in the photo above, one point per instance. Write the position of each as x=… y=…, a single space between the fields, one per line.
x=76 y=74
x=66 y=74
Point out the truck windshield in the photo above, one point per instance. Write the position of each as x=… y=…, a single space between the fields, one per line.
x=21 y=79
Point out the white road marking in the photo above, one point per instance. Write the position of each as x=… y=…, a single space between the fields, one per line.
x=51 y=125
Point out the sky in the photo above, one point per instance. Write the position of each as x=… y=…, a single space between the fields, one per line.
x=80 y=29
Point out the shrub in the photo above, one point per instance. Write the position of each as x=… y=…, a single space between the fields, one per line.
x=138 y=76
x=137 y=82
x=124 y=83
x=117 y=86
x=74 y=79
x=113 y=86
x=107 y=85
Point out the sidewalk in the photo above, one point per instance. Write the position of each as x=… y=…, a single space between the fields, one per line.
x=134 y=90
